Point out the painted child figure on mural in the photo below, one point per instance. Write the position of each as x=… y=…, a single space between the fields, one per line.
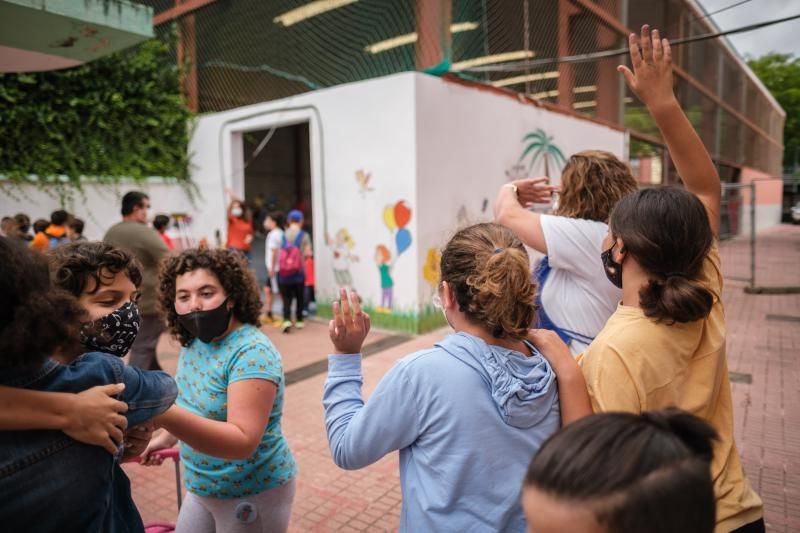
x=383 y=259
x=342 y=257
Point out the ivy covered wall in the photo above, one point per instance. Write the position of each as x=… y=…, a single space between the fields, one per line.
x=119 y=117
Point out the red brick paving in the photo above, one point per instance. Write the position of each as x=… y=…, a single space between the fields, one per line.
x=766 y=415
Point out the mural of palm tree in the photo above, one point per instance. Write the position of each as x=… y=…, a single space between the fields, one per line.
x=544 y=148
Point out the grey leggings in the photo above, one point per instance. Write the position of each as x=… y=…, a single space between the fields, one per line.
x=266 y=512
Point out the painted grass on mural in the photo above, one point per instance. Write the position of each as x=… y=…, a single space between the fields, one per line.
x=428 y=319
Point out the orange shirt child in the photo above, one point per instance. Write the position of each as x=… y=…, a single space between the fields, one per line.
x=238 y=230
x=41 y=241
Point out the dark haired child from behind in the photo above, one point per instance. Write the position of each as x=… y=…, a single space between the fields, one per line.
x=624 y=473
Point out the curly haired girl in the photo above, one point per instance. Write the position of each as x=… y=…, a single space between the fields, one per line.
x=575 y=300
x=238 y=467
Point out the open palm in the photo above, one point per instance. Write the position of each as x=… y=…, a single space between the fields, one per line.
x=651 y=78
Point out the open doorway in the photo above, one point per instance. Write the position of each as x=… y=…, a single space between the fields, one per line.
x=277 y=176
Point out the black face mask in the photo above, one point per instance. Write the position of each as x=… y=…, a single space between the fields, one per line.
x=207 y=325
x=612 y=268
x=113 y=333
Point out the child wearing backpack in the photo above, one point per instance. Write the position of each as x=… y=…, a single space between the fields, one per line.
x=291 y=274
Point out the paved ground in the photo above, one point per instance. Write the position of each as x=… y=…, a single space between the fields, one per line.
x=764 y=343
x=764 y=358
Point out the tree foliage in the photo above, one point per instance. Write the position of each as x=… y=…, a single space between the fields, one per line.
x=781 y=74
x=119 y=117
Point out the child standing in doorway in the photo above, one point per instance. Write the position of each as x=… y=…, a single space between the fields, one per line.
x=274 y=226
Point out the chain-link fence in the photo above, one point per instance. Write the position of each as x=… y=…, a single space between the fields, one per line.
x=241 y=52
x=737 y=232
x=751 y=255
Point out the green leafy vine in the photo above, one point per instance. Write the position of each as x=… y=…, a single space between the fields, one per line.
x=118 y=118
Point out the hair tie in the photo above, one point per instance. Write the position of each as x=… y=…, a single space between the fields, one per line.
x=497 y=250
x=675 y=275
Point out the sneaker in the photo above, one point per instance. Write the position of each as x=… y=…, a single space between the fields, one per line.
x=300 y=325
x=264 y=319
x=278 y=323
x=286 y=326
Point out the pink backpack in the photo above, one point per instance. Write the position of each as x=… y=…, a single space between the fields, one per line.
x=290 y=260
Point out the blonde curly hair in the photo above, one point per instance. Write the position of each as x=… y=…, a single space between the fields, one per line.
x=592 y=182
x=488 y=270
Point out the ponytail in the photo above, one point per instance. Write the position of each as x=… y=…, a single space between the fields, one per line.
x=675 y=299
x=668 y=233
x=489 y=271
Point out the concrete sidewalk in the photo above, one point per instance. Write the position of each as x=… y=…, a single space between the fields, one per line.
x=763 y=348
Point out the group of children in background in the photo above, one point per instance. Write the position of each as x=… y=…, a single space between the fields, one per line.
x=498 y=426
x=62 y=228
x=46 y=235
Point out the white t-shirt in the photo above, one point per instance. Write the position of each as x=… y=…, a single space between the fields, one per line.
x=577 y=294
x=274 y=242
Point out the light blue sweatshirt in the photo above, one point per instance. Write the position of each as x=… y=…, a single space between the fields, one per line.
x=466 y=416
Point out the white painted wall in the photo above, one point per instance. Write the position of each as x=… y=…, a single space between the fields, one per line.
x=467 y=139
x=367 y=125
x=99 y=206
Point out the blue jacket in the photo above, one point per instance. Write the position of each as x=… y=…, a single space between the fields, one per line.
x=50 y=482
x=466 y=416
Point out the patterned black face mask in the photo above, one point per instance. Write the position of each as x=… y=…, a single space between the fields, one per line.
x=612 y=268
x=113 y=333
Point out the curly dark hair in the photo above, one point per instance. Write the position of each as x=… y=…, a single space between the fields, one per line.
x=73 y=265
x=233 y=273
x=35 y=320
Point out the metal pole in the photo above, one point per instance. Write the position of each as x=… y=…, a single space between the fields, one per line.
x=178 y=481
x=752 y=235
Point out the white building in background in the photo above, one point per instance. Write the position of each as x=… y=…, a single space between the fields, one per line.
x=390 y=168
x=396 y=164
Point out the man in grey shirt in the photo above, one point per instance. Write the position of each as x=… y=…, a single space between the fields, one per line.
x=134 y=235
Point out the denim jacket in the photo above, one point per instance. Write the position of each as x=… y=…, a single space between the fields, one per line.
x=50 y=482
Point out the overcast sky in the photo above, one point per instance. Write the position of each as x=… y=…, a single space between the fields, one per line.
x=783 y=38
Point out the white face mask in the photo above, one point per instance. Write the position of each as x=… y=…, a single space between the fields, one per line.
x=236 y=211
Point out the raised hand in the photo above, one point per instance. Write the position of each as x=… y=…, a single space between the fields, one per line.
x=534 y=190
x=651 y=79
x=350 y=325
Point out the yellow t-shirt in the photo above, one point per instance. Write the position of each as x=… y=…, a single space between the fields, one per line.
x=635 y=364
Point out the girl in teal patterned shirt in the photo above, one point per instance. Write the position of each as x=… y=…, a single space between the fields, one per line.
x=238 y=469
